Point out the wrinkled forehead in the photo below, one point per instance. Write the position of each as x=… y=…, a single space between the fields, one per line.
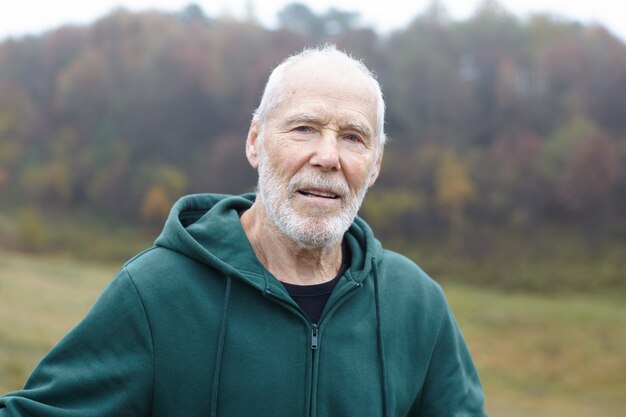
x=338 y=85
x=330 y=74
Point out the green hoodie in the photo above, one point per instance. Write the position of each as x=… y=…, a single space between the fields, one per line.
x=196 y=326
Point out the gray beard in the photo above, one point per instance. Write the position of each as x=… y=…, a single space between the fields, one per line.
x=317 y=228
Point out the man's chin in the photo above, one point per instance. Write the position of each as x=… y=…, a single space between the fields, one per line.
x=308 y=208
x=316 y=231
x=316 y=239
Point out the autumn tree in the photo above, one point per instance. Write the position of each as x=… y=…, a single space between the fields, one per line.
x=127 y=113
x=454 y=191
x=588 y=182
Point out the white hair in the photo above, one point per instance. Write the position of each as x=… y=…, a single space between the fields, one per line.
x=272 y=95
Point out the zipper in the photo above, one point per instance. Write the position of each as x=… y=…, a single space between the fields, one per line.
x=313 y=345
x=315 y=337
x=315 y=341
x=314 y=326
x=313 y=382
x=314 y=330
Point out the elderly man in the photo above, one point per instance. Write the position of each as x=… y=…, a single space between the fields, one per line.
x=281 y=304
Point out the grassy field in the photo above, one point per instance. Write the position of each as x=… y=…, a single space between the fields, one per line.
x=40 y=300
x=546 y=356
x=540 y=356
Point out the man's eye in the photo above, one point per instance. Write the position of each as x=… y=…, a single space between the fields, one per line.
x=303 y=129
x=352 y=137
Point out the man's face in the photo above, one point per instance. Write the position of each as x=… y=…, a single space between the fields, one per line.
x=318 y=155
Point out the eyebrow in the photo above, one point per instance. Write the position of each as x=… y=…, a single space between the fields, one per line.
x=303 y=118
x=355 y=125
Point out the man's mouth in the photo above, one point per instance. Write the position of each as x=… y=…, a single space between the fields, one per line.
x=318 y=193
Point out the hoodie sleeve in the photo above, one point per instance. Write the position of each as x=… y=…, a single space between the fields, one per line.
x=103 y=367
x=452 y=387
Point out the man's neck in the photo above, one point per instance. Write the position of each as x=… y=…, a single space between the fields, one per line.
x=287 y=260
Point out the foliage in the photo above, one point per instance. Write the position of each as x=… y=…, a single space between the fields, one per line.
x=454 y=187
x=299 y=18
x=31 y=231
x=493 y=119
x=383 y=208
x=72 y=232
x=156 y=204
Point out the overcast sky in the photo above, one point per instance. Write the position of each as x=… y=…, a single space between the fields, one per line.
x=19 y=17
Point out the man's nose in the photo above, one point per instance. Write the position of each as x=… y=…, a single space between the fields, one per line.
x=326 y=152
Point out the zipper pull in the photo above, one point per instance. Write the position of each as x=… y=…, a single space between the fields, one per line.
x=314 y=336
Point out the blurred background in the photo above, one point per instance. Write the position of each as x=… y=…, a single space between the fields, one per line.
x=505 y=175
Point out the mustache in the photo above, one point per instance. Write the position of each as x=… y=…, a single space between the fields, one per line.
x=331 y=183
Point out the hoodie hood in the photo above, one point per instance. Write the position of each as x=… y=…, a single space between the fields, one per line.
x=206 y=227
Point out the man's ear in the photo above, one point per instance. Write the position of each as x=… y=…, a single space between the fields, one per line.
x=376 y=168
x=252 y=142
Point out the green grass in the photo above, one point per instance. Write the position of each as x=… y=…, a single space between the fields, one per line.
x=40 y=300
x=538 y=355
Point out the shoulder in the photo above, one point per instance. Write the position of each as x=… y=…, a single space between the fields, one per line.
x=404 y=281
x=157 y=260
x=160 y=271
x=403 y=272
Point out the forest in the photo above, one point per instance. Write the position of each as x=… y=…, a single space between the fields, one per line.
x=507 y=135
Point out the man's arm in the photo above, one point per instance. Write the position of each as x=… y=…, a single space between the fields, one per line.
x=452 y=387
x=103 y=367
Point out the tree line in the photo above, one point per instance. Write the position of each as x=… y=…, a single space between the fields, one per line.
x=494 y=121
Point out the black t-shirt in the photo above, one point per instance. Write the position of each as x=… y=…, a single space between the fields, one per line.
x=312 y=298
